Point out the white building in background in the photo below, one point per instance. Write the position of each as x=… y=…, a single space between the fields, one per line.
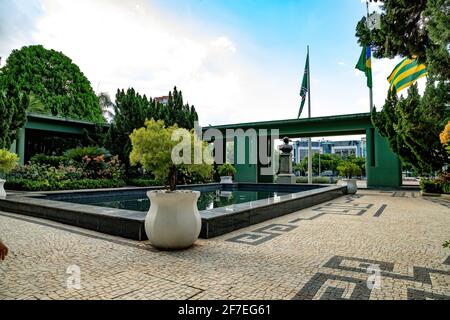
x=342 y=148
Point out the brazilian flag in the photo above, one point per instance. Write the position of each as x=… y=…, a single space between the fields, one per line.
x=406 y=73
x=365 y=64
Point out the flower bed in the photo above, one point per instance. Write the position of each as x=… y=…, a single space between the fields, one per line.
x=52 y=173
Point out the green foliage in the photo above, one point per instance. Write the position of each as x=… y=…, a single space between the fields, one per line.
x=47 y=173
x=53 y=79
x=153 y=146
x=446 y=188
x=328 y=162
x=187 y=176
x=316 y=180
x=132 y=110
x=52 y=161
x=8 y=161
x=49 y=185
x=430 y=186
x=348 y=169
x=227 y=169
x=77 y=154
x=13 y=106
x=412 y=28
x=143 y=182
x=176 y=112
x=99 y=168
x=412 y=126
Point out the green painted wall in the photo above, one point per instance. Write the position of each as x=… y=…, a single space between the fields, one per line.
x=383 y=165
x=245 y=172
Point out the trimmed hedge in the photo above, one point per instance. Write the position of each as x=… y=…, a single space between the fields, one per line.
x=431 y=186
x=316 y=180
x=141 y=182
x=45 y=160
x=46 y=185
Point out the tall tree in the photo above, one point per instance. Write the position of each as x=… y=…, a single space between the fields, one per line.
x=13 y=105
x=412 y=125
x=412 y=28
x=179 y=113
x=131 y=110
x=106 y=105
x=53 y=79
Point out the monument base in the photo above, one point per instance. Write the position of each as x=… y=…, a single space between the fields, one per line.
x=286 y=179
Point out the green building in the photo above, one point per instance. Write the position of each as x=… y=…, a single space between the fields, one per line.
x=52 y=135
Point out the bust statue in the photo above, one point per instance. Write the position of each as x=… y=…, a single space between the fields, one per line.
x=286 y=148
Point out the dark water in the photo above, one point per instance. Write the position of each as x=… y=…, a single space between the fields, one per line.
x=208 y=200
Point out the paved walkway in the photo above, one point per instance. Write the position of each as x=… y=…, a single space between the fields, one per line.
x=330 y=251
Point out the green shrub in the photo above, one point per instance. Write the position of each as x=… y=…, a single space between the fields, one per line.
x=46 y=185
x=431 y=186
x=99 y=168
x=227 y=170
x=154 y=146
x=446 y=188
x=349 y=169
x=8 y=161
x=142 y=182
x=316 y=180
x=79 y=153
x=52 y=161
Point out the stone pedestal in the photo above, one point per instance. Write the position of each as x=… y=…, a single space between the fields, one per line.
x=286 y=179
x=286 y=176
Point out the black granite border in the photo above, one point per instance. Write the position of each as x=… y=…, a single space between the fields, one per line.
x=130 y=224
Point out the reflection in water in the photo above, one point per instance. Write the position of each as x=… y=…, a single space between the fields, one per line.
x=207 y=201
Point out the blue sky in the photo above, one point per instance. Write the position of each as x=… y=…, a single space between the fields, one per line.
x=235 y=60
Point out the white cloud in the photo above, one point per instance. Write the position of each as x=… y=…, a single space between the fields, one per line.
x=224 y=42
x=119 y=44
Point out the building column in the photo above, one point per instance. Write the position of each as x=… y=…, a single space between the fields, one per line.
x=20 y=149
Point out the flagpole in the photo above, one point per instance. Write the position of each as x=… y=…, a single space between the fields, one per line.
x=370 y=89
x=309 y=116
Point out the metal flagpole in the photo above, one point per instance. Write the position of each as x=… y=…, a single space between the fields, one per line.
x=309 y=116
x=370 y=89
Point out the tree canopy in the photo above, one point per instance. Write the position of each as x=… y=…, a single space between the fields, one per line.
x=412 y=28
x=12 y=111
x=131 y=110
x=412 y=125
x=153 y=148
x=53 y=80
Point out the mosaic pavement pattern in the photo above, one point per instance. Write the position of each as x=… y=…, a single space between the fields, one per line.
x=374 y=245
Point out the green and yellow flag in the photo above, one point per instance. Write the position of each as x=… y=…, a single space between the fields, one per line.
x=365 y=64
x=406 y=73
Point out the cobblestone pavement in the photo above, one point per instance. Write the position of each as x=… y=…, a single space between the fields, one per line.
x=375 y=245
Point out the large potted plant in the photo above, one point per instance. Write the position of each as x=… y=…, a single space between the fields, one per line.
x=226 y=172
x=173 y=221
x=349 y=170
x=8 y=161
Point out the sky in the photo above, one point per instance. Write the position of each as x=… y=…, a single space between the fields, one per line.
x=235 y=60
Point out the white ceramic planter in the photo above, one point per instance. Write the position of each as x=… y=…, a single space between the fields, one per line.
x=173 y=221
x=226 y=179
x=2 y=189
x=352 y=187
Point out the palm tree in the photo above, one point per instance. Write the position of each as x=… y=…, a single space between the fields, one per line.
x=106 y=105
